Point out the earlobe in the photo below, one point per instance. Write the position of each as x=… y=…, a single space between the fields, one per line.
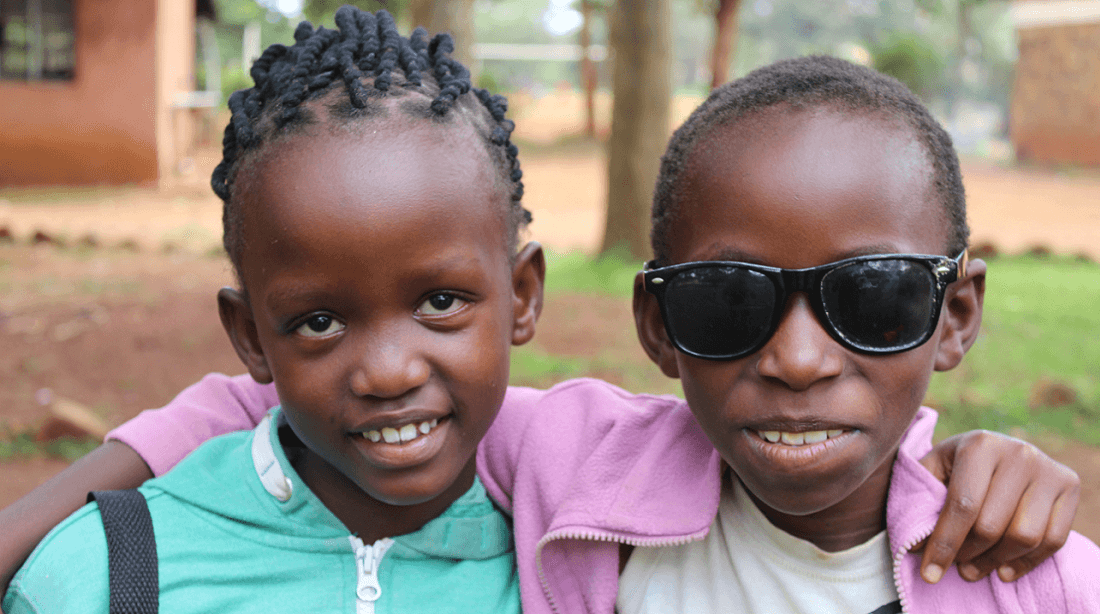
x=528 y=276
x=651 y=330
x=962 y=316
x=239 y=324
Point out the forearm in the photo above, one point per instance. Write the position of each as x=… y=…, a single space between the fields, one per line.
x=111 y=466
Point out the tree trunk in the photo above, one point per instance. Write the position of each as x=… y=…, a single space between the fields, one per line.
x=453 y=16
x=589 y=77
x=725 y=40
x=641 y=40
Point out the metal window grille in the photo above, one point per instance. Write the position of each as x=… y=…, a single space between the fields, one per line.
x=37 y=40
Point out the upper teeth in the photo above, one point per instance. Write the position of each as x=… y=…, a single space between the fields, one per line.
x=401 y=434
x=798 y=439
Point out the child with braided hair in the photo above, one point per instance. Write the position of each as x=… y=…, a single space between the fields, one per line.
x=372 y=207
x=372 y=210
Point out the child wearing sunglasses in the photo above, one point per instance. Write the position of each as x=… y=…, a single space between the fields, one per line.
x=797 y=293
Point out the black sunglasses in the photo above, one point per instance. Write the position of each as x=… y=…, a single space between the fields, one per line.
x=878 y=304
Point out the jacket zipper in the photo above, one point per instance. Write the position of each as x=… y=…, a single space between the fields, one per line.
x=368 y=558
x=899 y=556
x=599 y=537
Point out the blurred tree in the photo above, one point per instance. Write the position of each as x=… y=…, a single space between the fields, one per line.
x=641 y=44
x=913 y=60
x=453 y=16
x=726 y=18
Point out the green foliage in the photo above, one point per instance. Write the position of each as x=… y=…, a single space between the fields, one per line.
x=913 y=60
x=234 y=78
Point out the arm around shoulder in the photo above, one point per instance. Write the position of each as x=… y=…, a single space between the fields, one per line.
x=216 y=405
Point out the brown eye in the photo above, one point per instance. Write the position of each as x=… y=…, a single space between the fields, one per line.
x=440 y=304
x=319 y=325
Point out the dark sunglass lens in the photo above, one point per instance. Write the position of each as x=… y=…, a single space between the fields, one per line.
x=719 y=312
x=880 y=304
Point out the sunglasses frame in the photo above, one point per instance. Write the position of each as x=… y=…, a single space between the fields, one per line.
x=944 y=270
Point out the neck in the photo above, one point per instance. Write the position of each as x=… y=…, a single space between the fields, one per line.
x=362 y=514
x=848 y=523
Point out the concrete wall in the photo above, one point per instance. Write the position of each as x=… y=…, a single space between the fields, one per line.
x=1055 y=112
x=100 y=127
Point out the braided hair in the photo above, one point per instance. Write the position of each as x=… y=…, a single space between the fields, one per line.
x=369 y=61
x=809 y=82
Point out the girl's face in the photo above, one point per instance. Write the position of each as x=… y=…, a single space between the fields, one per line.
x=797 y=189
x=382 y=301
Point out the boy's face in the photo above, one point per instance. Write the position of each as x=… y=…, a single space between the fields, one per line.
x=382 y=302
x=797 y=189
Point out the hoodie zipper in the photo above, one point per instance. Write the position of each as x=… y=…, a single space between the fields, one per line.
x=368 y=558
x=899 y=556
x=600 y=537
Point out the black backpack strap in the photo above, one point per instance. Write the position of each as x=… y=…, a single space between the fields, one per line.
x=131 y=551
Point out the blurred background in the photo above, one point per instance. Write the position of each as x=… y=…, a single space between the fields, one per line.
x=111 y=113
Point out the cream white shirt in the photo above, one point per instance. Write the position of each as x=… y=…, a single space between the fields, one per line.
x=746 y=564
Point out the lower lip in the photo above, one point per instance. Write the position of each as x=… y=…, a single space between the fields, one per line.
x=784 y=457
x=407 y=454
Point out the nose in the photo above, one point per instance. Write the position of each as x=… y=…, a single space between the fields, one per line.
x=800 y=353
x=388 y=366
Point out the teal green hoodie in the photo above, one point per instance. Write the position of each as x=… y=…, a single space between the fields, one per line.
x=238 y=531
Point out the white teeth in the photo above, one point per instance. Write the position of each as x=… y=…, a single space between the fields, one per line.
x=814 y=436
x=800 y=438
x=407 y=432
x=791 y=439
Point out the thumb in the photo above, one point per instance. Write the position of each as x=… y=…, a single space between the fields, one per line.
x=940 y=460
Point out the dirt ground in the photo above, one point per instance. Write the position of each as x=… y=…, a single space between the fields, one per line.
x=128 y=320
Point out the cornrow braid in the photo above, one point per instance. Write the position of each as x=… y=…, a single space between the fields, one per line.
x=370 y=60
x=809 y=82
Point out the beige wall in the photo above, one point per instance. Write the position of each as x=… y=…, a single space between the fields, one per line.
x=101 y=127
x=1055 y=113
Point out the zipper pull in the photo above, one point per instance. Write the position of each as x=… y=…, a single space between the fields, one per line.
x=368 y=558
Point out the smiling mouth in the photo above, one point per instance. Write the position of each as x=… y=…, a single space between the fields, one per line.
x=401 y=434
x=800 y=438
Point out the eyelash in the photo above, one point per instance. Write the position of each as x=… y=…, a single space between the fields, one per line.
x=455 y=301
x=456 y=304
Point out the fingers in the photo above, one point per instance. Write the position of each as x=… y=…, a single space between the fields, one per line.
x=1040 y=527
x=1009 y=507
x=969 y=472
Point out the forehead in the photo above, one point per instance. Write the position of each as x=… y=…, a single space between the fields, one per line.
x=379 y=193
x=801 y=187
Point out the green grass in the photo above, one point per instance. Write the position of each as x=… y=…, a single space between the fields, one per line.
x=1041 y=321
x=576 y=272
x=23 y=445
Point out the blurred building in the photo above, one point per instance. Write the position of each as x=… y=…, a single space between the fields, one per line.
x=1055 y=113
x=95 y=91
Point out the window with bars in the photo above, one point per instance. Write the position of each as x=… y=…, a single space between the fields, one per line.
x=36 y=40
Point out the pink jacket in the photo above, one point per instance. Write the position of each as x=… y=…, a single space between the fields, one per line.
x=585 y=465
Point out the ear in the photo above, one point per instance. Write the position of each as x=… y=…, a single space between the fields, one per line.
x=240 y=325
x=651 y=329
x=528 y=275
x=962 y=317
